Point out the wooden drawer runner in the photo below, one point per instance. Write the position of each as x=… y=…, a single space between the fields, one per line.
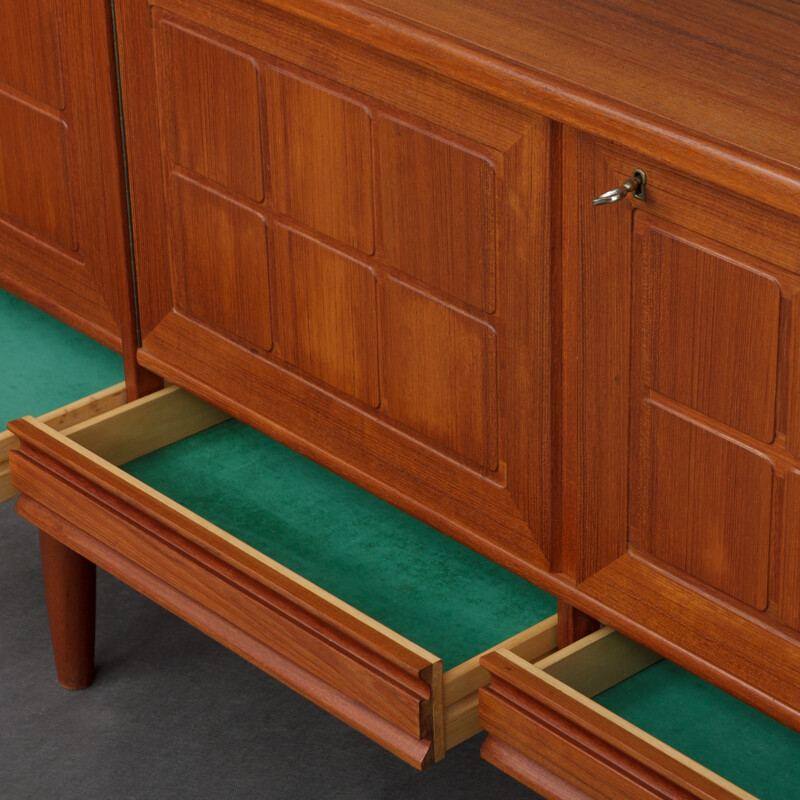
x=373 y=676
x=47 y=365
x=652 y=730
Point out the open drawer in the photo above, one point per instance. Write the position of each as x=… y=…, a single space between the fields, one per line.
x=48 y=365
x=392 y=603
x=652 y=730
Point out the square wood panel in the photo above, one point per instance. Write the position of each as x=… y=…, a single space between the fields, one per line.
x=26 y=28
x=219 y=264
x=34 y=176
x=212 y=99
x=437 y=212
x=702 y=503
x=326 y=315
x=439 y=372
x=709 y=331
x=321 y=154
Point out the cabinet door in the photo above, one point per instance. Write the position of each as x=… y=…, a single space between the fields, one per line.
x=62 y=205
x=355 y=260
x=684 y=397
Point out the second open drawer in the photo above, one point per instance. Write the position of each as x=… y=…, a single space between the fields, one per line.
x=606 y=718
x=423 y=599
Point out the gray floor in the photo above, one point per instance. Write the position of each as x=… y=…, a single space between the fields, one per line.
x=173 y=714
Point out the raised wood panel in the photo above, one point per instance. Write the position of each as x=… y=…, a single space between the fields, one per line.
x=34 y=173
x=65 y=248
x=213 y=118
x=481 y=472
x=26 y=28
x=326 y=315
x=784 y=594
x=663 y=499
x=702 y=503
x=321 y=154
x=220 y=264
x=709 y=329
x=437 y=212
x=439 y=373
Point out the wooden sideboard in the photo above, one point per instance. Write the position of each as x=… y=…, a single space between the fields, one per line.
x=367 y=230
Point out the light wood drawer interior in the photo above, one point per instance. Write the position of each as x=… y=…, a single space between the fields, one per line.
x=47 y=365
x=357 y=605
x=607 y=718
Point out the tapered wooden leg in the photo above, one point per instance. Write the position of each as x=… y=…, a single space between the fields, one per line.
x=573 y=624
x=69 y=586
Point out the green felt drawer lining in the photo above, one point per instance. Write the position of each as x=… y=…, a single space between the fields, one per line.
x=727 y=736
x=406 y=575
x=45 y=363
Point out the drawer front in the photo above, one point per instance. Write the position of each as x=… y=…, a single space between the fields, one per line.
x=356 y=260
x=546 y=732
x=381 y=684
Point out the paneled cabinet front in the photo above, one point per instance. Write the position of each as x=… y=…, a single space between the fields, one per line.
x=351 y=254
x=63 y=223
x=686 y=415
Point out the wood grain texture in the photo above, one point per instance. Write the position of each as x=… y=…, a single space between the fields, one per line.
x=321 y=154
x=489 y=487
x=32 y=28
x=787 y=558
x=384 y=686
x=703 y=504
x=34 y=177
x=697 y=98
x=573 y=624
x=69 y=588
x=437 y=212
x=220 y=264
x=709 y=329
x=691 y=477
x=326 y=315
x=792 y=405
x=212 y=100
x=506 y=757
x=68 y=251
x=584 y=745
x=441 y=373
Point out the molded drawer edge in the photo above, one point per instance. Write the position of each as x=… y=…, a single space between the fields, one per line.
x=546 y=732
x=377 y=681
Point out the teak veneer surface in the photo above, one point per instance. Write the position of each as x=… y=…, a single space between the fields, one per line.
x=710 y=86
x=63 y=223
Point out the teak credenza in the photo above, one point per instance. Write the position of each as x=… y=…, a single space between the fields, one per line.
x=367 y=230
